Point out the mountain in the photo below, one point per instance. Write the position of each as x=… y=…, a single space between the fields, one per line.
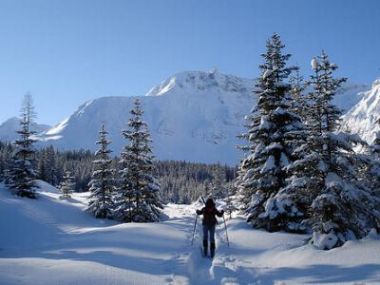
x=362 y=118
x=8 y=129
x=193 y=116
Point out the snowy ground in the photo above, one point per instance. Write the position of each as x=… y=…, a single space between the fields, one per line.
x=51 y=241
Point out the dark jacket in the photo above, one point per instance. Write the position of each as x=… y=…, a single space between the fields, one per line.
x=209 y=212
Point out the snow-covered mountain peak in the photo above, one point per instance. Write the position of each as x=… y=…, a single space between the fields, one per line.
x=376 y=83
x=196 y=82
x=363 y=117
x=193 y=115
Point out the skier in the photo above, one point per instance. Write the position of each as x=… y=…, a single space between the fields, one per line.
x=209 y=223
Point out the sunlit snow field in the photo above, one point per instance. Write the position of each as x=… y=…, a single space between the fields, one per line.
x=52 y=241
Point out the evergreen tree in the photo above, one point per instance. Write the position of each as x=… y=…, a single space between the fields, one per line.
x=207 y=193
x=218 y=188
x=299 y=100
x=102 y=182
x=137 y=199
x=50 y=157
x=230 y=206
x=67 y=186
x=375 y=147
x=22 y=172
x=324 y=116
x=6 y=151
x=343 y=207
x=274 y=132
x=371 y=170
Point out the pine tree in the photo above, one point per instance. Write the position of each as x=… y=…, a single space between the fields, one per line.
x=274 y=132
x=230 y=206
x=369 y=172
x=137 y=199
x=22 y=174
x=6 y=151
x=207 y=192
x=375 y=147
x=324 y=116
x=67 y=186
x=102 y=182
x=344 y=207
x=299 y=100
x=218 y=188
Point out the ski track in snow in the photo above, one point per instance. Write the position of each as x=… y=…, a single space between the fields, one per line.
x=50 y=241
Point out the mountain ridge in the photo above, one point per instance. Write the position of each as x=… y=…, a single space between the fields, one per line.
x=192 y=115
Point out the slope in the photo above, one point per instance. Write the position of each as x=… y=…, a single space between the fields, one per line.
x=52 y=241
x=363 y=117
x=8 y=129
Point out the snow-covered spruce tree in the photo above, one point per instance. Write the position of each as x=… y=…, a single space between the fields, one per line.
x=324 y=116
x=21 y=176
x=6 y=151
x=67 y=186
x=47 y=165
x=370 y=169
x=299 y=100
x=207 y=192
x=230 y=200
x=137 y=198
x=344 y=208
x=102 y=182
x=274 y=133
x=218 y=188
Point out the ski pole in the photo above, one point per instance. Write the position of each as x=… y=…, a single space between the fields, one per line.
x=225 y=227
x=195 y=226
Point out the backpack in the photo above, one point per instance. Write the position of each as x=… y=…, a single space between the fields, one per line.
x=209 y=216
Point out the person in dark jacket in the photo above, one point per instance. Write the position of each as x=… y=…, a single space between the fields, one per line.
x=209 y=222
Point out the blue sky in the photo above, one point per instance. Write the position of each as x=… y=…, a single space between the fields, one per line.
x=69 y=51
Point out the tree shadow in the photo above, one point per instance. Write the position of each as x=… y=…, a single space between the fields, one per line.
x=323 y=274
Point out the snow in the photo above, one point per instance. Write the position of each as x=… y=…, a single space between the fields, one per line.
x=284 y=161
x=314 y=64
x=51 y=241
x=264 y=123
x=268 y=165
x=363 y=118
x=57 y=129
x=267 y=73
x=193 y=116
x=322 y=241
